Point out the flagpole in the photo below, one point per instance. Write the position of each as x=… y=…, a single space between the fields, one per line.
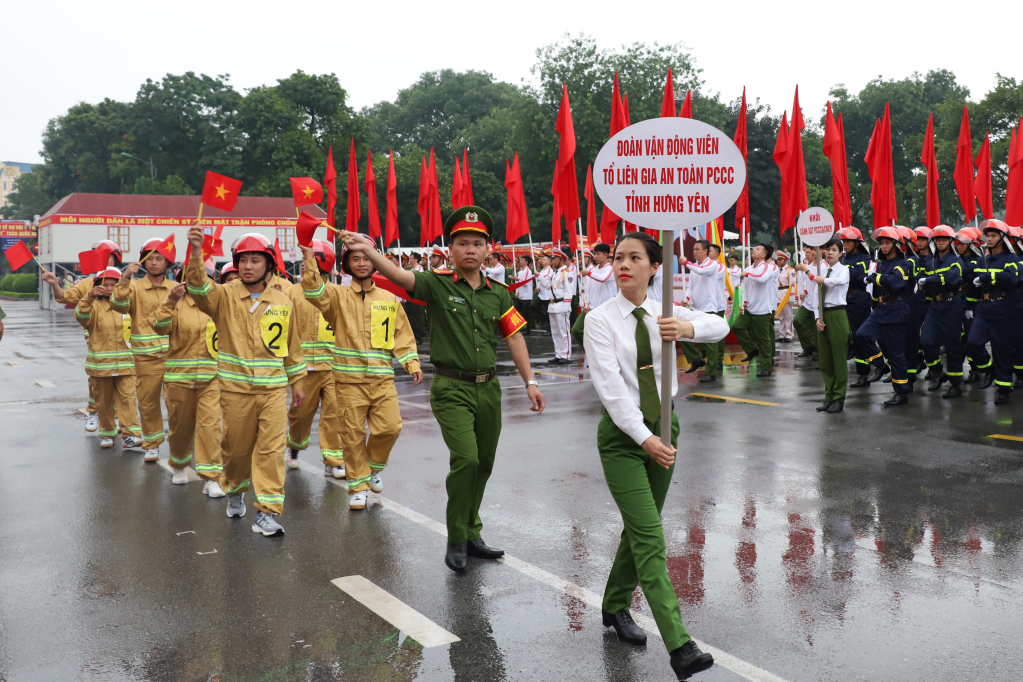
x=667 y=346
x=532 y=254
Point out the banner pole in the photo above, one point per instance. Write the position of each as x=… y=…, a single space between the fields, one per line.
x=668 y=360
x=532 y=255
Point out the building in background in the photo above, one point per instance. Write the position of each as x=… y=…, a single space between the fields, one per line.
x=10 y=171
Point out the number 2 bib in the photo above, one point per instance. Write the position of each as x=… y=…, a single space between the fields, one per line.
x=383 y=316
x=273 y=327
x=211 y=339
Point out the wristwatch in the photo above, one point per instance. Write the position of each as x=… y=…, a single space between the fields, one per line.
x=531 y=382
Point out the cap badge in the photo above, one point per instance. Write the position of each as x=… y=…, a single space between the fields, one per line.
x=472 y=217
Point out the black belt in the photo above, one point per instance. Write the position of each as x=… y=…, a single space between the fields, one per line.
x=834 y=307
x=996 y=296
x=941 y=297
x=893 y=298
x=465 y=376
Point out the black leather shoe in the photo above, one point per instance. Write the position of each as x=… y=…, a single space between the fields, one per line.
x=1018 y=383
x=932 y=373
x=860 y=382
x=938 y=381
x=624 y=626
x=897 y=399
x=695 y=366
x=688 y=660
x=482 y=550
x=708 y=379
x=972 y=378
x=554 y=361
x=837 y=406
x=807 y=352
x=878 y=372
x=952 y=392
x=750 y=356
x=825 y=406
x=455 y=557
x=1001 y=398
x=989 y=378
x=764 y=373
x=887 y=379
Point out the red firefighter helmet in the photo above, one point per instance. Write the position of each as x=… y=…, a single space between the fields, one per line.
x=115 y=250
x=888 y=232
x=228 y=269
x=852 y=234
x=109 y=273
x=324 y=254
x=150 y=246
x=254 y=242
x=908 y=236
x=995 y=225
x=922 y=231
x=943 y=231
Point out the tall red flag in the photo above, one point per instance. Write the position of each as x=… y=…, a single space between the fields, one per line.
x=456 y=187
x=608 y=220
x=19 y=254
x=834 y=149
x=982 y=183
x=424 y=205
x=592 y=237
x=568 y=186
x=466 y=180
x=556 y=223
x=625 y=109
x=371 y=199
x=220 y=191
x=930 y=162
x=391 y=224
x=354 y=211
x=882 y=175
x=781 y=159
x=518 y=219
x=330 y=180
x=797 y=169
x=687 y=106
x=1014 y=185
x=742 y=204
x=668 y=101
x=964 y=169
x=436 y=224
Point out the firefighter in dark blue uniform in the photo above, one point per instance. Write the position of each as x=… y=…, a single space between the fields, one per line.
x=856 y=257
x=996 y=320
x=887 y=323
x=916 y=300
x=941 y=281
x=1016 y=235
x=968 y=243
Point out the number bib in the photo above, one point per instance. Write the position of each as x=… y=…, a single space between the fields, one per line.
x=273 y=327
x=326 y=332
x=126 y=330
x=211 y=339
x=383 y=317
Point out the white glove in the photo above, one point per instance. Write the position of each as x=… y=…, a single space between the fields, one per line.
x=866 y=280
x=969 y=314
x=922 y=281
x=976 y=281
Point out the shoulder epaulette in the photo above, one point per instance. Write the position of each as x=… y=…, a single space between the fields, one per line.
x=497 y=281
x=442 y=271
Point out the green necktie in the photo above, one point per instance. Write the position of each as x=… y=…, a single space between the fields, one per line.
x=649 y=402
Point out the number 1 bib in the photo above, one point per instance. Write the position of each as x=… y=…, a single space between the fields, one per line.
x=383 y=316
x=273 y=327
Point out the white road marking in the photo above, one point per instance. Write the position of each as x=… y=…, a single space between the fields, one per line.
x=213 y=552
x=721 y=658
x=412 y=404
x=15 y=364
x=192 y=476
x=184 y=532
x=396 y=612
x=83 y=411
x=45 y=383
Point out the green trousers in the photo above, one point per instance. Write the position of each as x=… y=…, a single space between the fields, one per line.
x=806 y=328
x=756 y=332
x=470 y=420
x=714 y=352
x=832 y=349
x=639 y=485
x=579 y=329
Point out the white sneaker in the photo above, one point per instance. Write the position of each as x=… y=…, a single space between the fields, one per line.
x=236 y=505
x=376 y=484
x=179 y=477
x=106 y=442
x=292 y=459
x=336 y=472
x=92 y=423
x=213 y=489
x=153 y=455
x=130 y=443
x=358 y=500
x=267 y=525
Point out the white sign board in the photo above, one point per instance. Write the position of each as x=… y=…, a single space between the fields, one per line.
x=669 y=173
x=815 y=226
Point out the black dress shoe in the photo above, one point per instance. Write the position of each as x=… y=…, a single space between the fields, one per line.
x=750 y=356
x=695 y=366
x=1018 y=383
x=624 y=626
x=554 y=361
x=972 y=378
x=455 y=557
x=837 y=406
x=708 y=379
x=806 y=353
x=482 y=550
x=878 y=372
x=825 y=406
x=1001 y=398
x=952 y=392
x=938 y=381
x=764 y=373
x=989 y=378
x=887 y=379
x=933 y=373
x=688 y=660
x=897 y=399
x=860 y=382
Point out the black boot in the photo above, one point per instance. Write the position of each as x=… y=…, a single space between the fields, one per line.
x=972 y=378
x=825 y=406
x=837 y=406
x=897 y=399
x=807 y=352
x=481 y=550
x=938 y=381
x=860 y=382
x=688 y=660
x=708 y=379
x=750 y=356
x=887 y=379
x=1001 y=398
x=763 y=373
x=455 y=557
x=989 y=378
x=878 y=372
x=624 y=626
x=952 y=392
x=933 y=373
x=695 y=366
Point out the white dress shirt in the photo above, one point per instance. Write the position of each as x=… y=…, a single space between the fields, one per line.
x=836 y=286
x=562 y=290
x=602 y=287
x=496 y=272
x=524 y=292
x=734 y=275
x=807 y=289
x=610 y=342
x=654 y=290
x=707 y=292
x=543 y=283
x=760 y=288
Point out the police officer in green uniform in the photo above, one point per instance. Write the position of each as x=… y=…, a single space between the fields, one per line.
x=468 y=312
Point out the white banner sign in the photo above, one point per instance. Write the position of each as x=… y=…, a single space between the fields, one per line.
x=815 y=226
x=669 y=173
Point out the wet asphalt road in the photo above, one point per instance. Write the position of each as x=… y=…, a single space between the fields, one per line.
x=870 y=545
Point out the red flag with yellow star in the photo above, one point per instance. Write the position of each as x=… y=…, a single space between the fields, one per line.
x=220 y=191
x=306 y=191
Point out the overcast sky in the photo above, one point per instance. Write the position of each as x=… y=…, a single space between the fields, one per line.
x=61 y=52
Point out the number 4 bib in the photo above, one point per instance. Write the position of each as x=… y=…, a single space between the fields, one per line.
x=382 y=319
x=273 y=327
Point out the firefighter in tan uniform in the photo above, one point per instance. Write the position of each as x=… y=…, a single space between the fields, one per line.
x=109 y=362
x=259 y=354
x=318 y=348
x=370 y=328
x=140 y=298
x=192 y=389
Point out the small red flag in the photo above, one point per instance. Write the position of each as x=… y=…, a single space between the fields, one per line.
x=93 y=261
x=218 y=243
x=592 y=237
x=278 y=258
x=456 y=188
x=424 y=205
x=1014 y=185
x=371 y=200
x=330 y=179
x=834 y=149
x=781 y=159
x=964 y=169
x=742 y=204
x=467 y=197
x=220 y=191
x=568 y=186
x=391 y=224
x=687 y=106
x=882 y=177
x=208 y=249
x=19 y=254
x=930 y=162
x=668 y=101
x=353 y=212
x=167 y=250
x=522 y=282
x=388 y=285
x=306 y=191
x=305 y=228
x=982 y=183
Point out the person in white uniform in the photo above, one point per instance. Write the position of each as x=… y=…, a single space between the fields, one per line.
x=600 y=285
x=524 y=294
x=494 y=269
x=755 y=327
x=786 y=287
x=560 y=308
x=543 y=280
x=707 y=294
x=833 y=328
